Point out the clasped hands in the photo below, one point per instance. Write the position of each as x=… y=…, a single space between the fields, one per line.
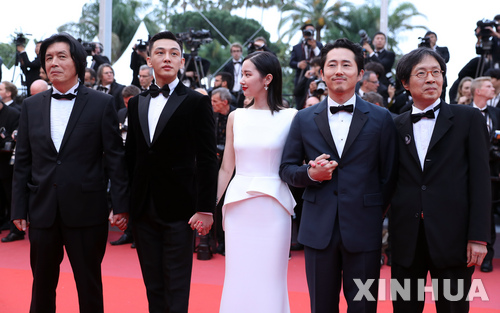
x=201 y=222
x=321 y=168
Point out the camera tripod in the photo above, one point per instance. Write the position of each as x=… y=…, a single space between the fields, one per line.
x=195 y=60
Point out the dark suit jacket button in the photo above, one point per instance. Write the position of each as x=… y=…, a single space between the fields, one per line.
x=424 y=187
x=59 y=162
x=417 y=215
x=335 y=192
x=150 y=152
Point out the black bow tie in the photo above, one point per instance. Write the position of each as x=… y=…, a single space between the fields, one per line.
x=429 y=114
x=103 y=89
x=68 y=96
x=347 y=108
x=154 y=91
x=236 y=62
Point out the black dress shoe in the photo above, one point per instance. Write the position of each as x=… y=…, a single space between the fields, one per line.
x=122 y=240
x=133 y=245
x=487 y=266
x=12 y=237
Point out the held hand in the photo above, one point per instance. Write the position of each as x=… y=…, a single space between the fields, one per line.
x=368 y=48
x=321 y=168
x=312 y=43
x=201 y=222
x=21 y=224
x=302 y=64
x=391 y=90
x=119 y=220
x=475 y=254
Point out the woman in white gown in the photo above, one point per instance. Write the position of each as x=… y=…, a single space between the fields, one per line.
x=258 y=204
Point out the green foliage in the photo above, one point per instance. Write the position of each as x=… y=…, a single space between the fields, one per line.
x=8 y=54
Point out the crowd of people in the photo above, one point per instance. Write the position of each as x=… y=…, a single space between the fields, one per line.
x=238 y=164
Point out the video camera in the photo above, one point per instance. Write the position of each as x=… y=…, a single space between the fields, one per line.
x=425 y=42
x=20 y=39
x=143 y=45
x=251 y=47
x=320 y=88
x=364 y=37
x=194 y=39
x=88 y=46
x=484 y=32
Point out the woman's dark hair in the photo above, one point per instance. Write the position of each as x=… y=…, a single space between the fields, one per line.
x=163 y=35
x=267 y=63
x=76 y=50
x=346 y=44
x=411 y=59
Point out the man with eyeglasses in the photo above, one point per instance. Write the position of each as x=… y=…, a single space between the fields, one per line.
x=369 y=82
x=441 y=207
x=234 y=67
x=145 y=77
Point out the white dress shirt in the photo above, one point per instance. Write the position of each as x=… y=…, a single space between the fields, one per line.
x=422 y=131
x=340 y=123
x=156 y=106
x=237 y=75
x=60 y=111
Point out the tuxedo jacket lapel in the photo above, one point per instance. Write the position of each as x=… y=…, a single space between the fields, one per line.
x=443 y=124
x=405 y=130
x=172 y=104
x=80 y=102
x=359 y=119
x=321 y=120
x=143 y=109
x=46 y=120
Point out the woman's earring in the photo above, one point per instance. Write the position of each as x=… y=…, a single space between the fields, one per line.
x=265 y=87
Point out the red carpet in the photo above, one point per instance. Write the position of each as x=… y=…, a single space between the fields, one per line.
x=124 y=290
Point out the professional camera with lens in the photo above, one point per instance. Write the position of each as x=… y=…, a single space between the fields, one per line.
x=307 y=34
x=320 y=88
x=6 y=141
x=20 y=39
x=425 y=42
x=88 y=46
x=193 y=39
x=364 y=37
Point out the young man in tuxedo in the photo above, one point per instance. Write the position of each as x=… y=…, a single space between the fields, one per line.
x=68 y=146
x=172 y=160
x=440 y=211
x=349 y=146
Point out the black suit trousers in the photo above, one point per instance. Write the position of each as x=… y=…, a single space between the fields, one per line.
x=417 y=272
x=165 y=251
x=85 y=247
x=328 y=269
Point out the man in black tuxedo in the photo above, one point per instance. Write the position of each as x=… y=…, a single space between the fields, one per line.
x=349 y=149
x=482 y=91
x=68 y=144
x=234 y=67
x=441 y=208
x=97 y=58
x=380 y=54
x=106 y=83
x=172 y=161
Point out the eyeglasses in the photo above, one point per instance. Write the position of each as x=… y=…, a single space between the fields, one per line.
x=374 y=81
x=424 y=74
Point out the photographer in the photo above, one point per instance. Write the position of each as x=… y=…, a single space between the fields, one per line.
x=138 y=59
x=379 y=53
x=259 y=44
x=30 y=69
x=97 y=58
x=307 y=85
x=304 y=51
x=482 y=90
x=9 y=121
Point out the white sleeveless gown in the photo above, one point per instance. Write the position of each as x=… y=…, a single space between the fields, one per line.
x=256 y=216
